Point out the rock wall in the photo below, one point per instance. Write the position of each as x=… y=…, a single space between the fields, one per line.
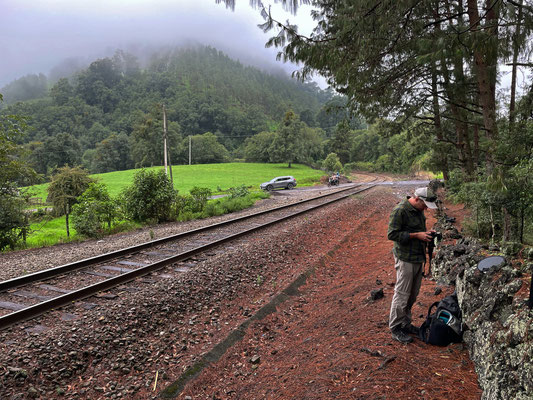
x=499 y=323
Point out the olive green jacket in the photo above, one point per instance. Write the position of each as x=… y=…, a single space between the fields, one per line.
x=406 y=219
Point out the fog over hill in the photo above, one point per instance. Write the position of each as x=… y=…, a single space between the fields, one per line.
x=57 y=37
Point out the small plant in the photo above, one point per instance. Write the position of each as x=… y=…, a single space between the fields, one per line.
x=259 y=279
x=152 y=234
x=239 y=191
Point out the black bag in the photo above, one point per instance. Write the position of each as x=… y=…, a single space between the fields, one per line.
x=444 y=326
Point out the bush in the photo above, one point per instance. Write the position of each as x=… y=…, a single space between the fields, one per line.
x=200 y=196
x=332 y=163
x=13 y=223
x=228 y=205
x=361 y=166
x=93 y=211
x=455 y=182
x=239 y=191
x=151 y=196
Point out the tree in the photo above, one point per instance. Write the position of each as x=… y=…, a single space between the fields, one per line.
x=26 y=88
x=387 y=71
x=332 y=163
x=205 y=149
x=13 y=172
x=95 y=85
x=149 y=197
x=58 y=151
x=342 y=139
x=288 y=145
x=256 y=147
x=112 y=154
x=66 y=185
x=146 y=140
x=62 y=92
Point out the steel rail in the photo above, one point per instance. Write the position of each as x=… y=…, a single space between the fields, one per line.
x=70 y=267
x=76 y=295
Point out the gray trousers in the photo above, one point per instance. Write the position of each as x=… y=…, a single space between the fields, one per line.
x=408 y=281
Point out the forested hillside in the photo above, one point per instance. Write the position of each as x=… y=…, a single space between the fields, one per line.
x=109 y=116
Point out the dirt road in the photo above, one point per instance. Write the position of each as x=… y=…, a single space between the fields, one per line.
x=330 y=341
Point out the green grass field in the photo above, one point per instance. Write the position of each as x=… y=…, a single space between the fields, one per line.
x=49 y=232
x=212 y=176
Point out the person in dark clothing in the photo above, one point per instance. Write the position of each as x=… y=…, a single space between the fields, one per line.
x=407 y=228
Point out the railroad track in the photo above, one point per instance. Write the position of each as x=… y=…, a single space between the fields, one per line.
x=34 y=294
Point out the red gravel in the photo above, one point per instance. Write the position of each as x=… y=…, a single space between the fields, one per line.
x=332 y=342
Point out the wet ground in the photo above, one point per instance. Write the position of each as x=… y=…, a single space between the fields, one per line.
x=330 y=340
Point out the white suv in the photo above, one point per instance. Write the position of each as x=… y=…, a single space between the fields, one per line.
x=280 y=182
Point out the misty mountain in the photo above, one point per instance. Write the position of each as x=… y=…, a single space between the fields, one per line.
x=115 y=106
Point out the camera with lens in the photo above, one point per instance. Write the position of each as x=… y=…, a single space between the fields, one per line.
x=436 y=235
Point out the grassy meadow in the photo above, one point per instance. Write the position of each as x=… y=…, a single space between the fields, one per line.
x=217 y=177
x=212 y=176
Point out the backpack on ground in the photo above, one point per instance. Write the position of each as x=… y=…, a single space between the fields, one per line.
x=444 y=326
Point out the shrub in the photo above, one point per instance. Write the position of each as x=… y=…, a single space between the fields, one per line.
x=332 y=163
x=93 y=211
x=151 y=196
x=239 y=191
x=200 y=196
x=13 y=222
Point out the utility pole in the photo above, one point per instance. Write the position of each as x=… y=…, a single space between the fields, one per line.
x=189 y=149
x=165 y=138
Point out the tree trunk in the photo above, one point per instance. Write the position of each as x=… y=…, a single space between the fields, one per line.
x=455 y=91
x=485 y=64
x=516 y=50
x=506 y=225
x=67 y=211
x=442 y=156
x=476 y=144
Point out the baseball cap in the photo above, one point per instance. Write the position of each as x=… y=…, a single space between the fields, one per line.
x=427 y=195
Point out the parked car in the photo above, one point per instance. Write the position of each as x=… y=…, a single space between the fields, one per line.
x=280 y=182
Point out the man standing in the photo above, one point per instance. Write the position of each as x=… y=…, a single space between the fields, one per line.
x=407 y=228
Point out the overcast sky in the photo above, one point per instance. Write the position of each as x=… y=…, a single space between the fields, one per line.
x=40 y=34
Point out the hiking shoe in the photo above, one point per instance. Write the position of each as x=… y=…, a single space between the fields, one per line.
x=399 y=335
x=411 y=329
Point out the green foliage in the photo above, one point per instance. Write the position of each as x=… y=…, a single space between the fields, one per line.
x=239 y=191
x=289 y=144
x=149 y=197
x=13 y=172
x=146 y=140
x=498 y=203
x=212 y=176
x=13 y=221
x=256 y=147
x=111 y=154
x=205 y=149
x=67 y=184
x=59 y=151
x=94 y=211
x=332 y=163
x=200 y=196
x=25 y=88
x=203 y=91
x=227 y=205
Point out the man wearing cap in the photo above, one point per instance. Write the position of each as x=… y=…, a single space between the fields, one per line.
x=407 y=228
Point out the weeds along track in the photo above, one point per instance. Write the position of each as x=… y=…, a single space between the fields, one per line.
x=31 y=295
